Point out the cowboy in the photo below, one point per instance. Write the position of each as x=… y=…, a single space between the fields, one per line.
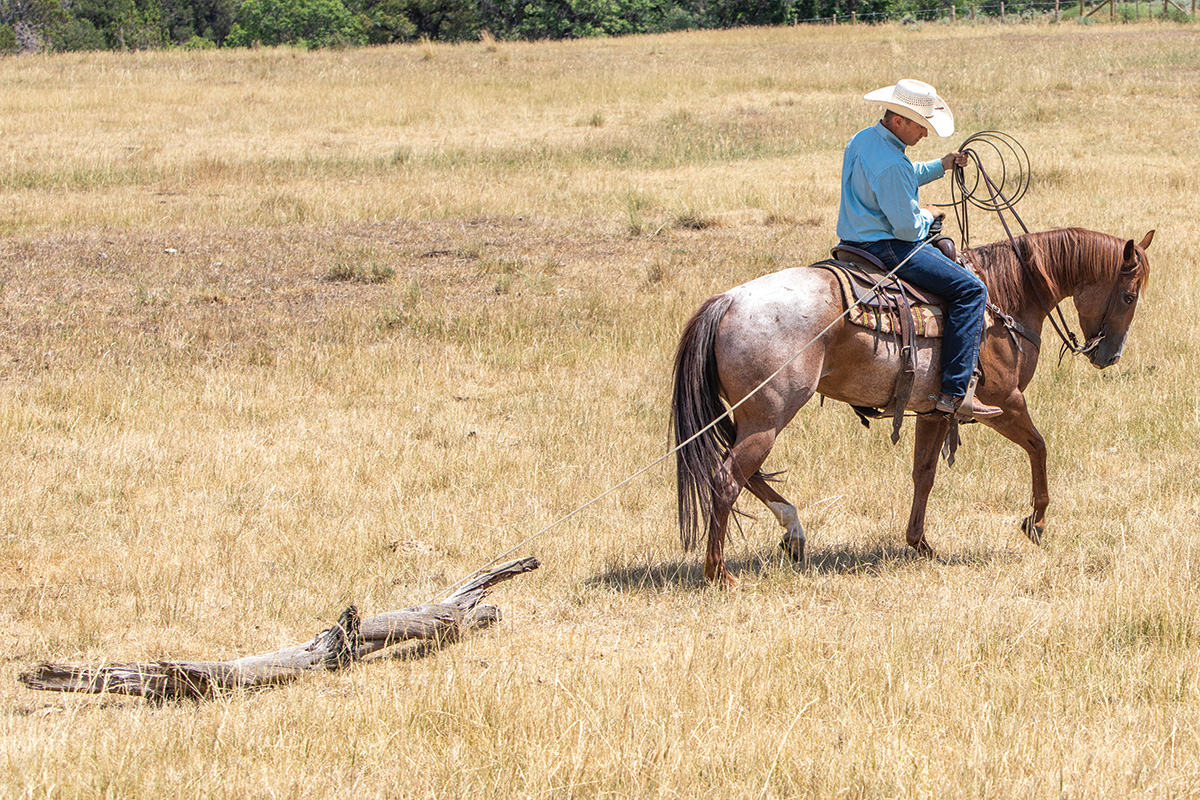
x=879 y=213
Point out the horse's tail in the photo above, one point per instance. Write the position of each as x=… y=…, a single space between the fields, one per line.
x=696 y=402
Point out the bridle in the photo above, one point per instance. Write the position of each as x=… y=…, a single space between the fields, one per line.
x=963 y=196
x=1113 y=300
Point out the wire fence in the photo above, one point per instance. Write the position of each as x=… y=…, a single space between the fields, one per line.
x=1021 y=10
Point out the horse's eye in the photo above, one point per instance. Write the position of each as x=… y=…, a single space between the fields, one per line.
x=1129 y=298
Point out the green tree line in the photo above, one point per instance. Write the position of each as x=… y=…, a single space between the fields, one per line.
x=66 y=25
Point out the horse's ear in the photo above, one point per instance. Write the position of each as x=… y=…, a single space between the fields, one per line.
x=1129 y=256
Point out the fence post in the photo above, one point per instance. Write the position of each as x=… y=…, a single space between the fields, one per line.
x=835 y=18
x=1002 y=10
x=954 y=17
x=1057 y=12
x=973 y=9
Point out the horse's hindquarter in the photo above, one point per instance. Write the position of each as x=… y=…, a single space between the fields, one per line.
x=775 y=316
x=771 y=319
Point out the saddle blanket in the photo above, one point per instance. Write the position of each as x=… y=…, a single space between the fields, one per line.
x=928 y=320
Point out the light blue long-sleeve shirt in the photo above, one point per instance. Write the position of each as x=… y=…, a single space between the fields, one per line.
x=879 y=189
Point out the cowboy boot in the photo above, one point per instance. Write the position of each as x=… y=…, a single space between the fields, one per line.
x=966 y=407
x=946 y=404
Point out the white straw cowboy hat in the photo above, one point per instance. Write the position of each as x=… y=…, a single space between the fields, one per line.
x=917 y=101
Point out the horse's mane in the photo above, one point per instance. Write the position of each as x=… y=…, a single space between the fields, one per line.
x=1062 y=258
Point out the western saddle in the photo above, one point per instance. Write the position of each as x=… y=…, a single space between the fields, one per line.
x=866 y=284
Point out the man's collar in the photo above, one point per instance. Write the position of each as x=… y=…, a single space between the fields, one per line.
x=891 y=137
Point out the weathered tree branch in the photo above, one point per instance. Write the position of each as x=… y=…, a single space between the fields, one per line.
x=349 y=640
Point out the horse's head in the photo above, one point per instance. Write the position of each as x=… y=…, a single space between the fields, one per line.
x=1106 y=309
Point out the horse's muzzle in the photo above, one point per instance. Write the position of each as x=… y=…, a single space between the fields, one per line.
x=1103 y=357
x=1103 y=350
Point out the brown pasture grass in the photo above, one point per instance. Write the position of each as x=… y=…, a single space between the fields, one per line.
x=285 y=331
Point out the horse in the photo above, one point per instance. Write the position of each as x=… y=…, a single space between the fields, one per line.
x=737 y=340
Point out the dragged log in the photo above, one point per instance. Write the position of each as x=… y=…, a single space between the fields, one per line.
x=444 y=621
x=349 y=639
x=163 y=680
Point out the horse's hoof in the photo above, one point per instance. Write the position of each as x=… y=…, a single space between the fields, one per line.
x=721 y=578
x=923 y=549
x=1033 y=530
x=793 y=549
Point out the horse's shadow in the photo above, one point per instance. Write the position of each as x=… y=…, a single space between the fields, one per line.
x=688 y=573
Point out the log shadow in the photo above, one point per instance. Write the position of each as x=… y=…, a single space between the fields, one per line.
x=414 y=652
x=94 y=702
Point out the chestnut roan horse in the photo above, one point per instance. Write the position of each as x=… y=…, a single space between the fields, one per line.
x=736 y=340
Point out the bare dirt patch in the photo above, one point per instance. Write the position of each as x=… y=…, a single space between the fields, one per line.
x=237 y=294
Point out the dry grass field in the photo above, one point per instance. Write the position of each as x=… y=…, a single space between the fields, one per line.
x=284 y=331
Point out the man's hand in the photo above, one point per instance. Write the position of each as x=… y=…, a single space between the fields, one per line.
x=939 y=219
x=956 y=158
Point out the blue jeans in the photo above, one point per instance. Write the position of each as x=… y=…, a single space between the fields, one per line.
x=965 y=296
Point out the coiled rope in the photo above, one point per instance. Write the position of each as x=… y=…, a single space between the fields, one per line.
x=1000 y=178
x=1006 y=159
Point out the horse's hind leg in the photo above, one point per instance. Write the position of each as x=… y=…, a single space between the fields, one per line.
x=743 y=462
x=793 y=532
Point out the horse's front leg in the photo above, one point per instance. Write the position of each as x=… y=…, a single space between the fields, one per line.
x=931 y=432
x=1016 y=425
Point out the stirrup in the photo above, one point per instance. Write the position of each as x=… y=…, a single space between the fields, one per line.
x=968 y=399
x=974 y=407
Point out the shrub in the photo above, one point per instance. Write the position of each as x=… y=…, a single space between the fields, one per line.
x=306 y=23
x=576 y=19
x=77 y=34
x=199 y=43
x=123 y=24
x=208 y=19
x=677 y=19
x=407 y=20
